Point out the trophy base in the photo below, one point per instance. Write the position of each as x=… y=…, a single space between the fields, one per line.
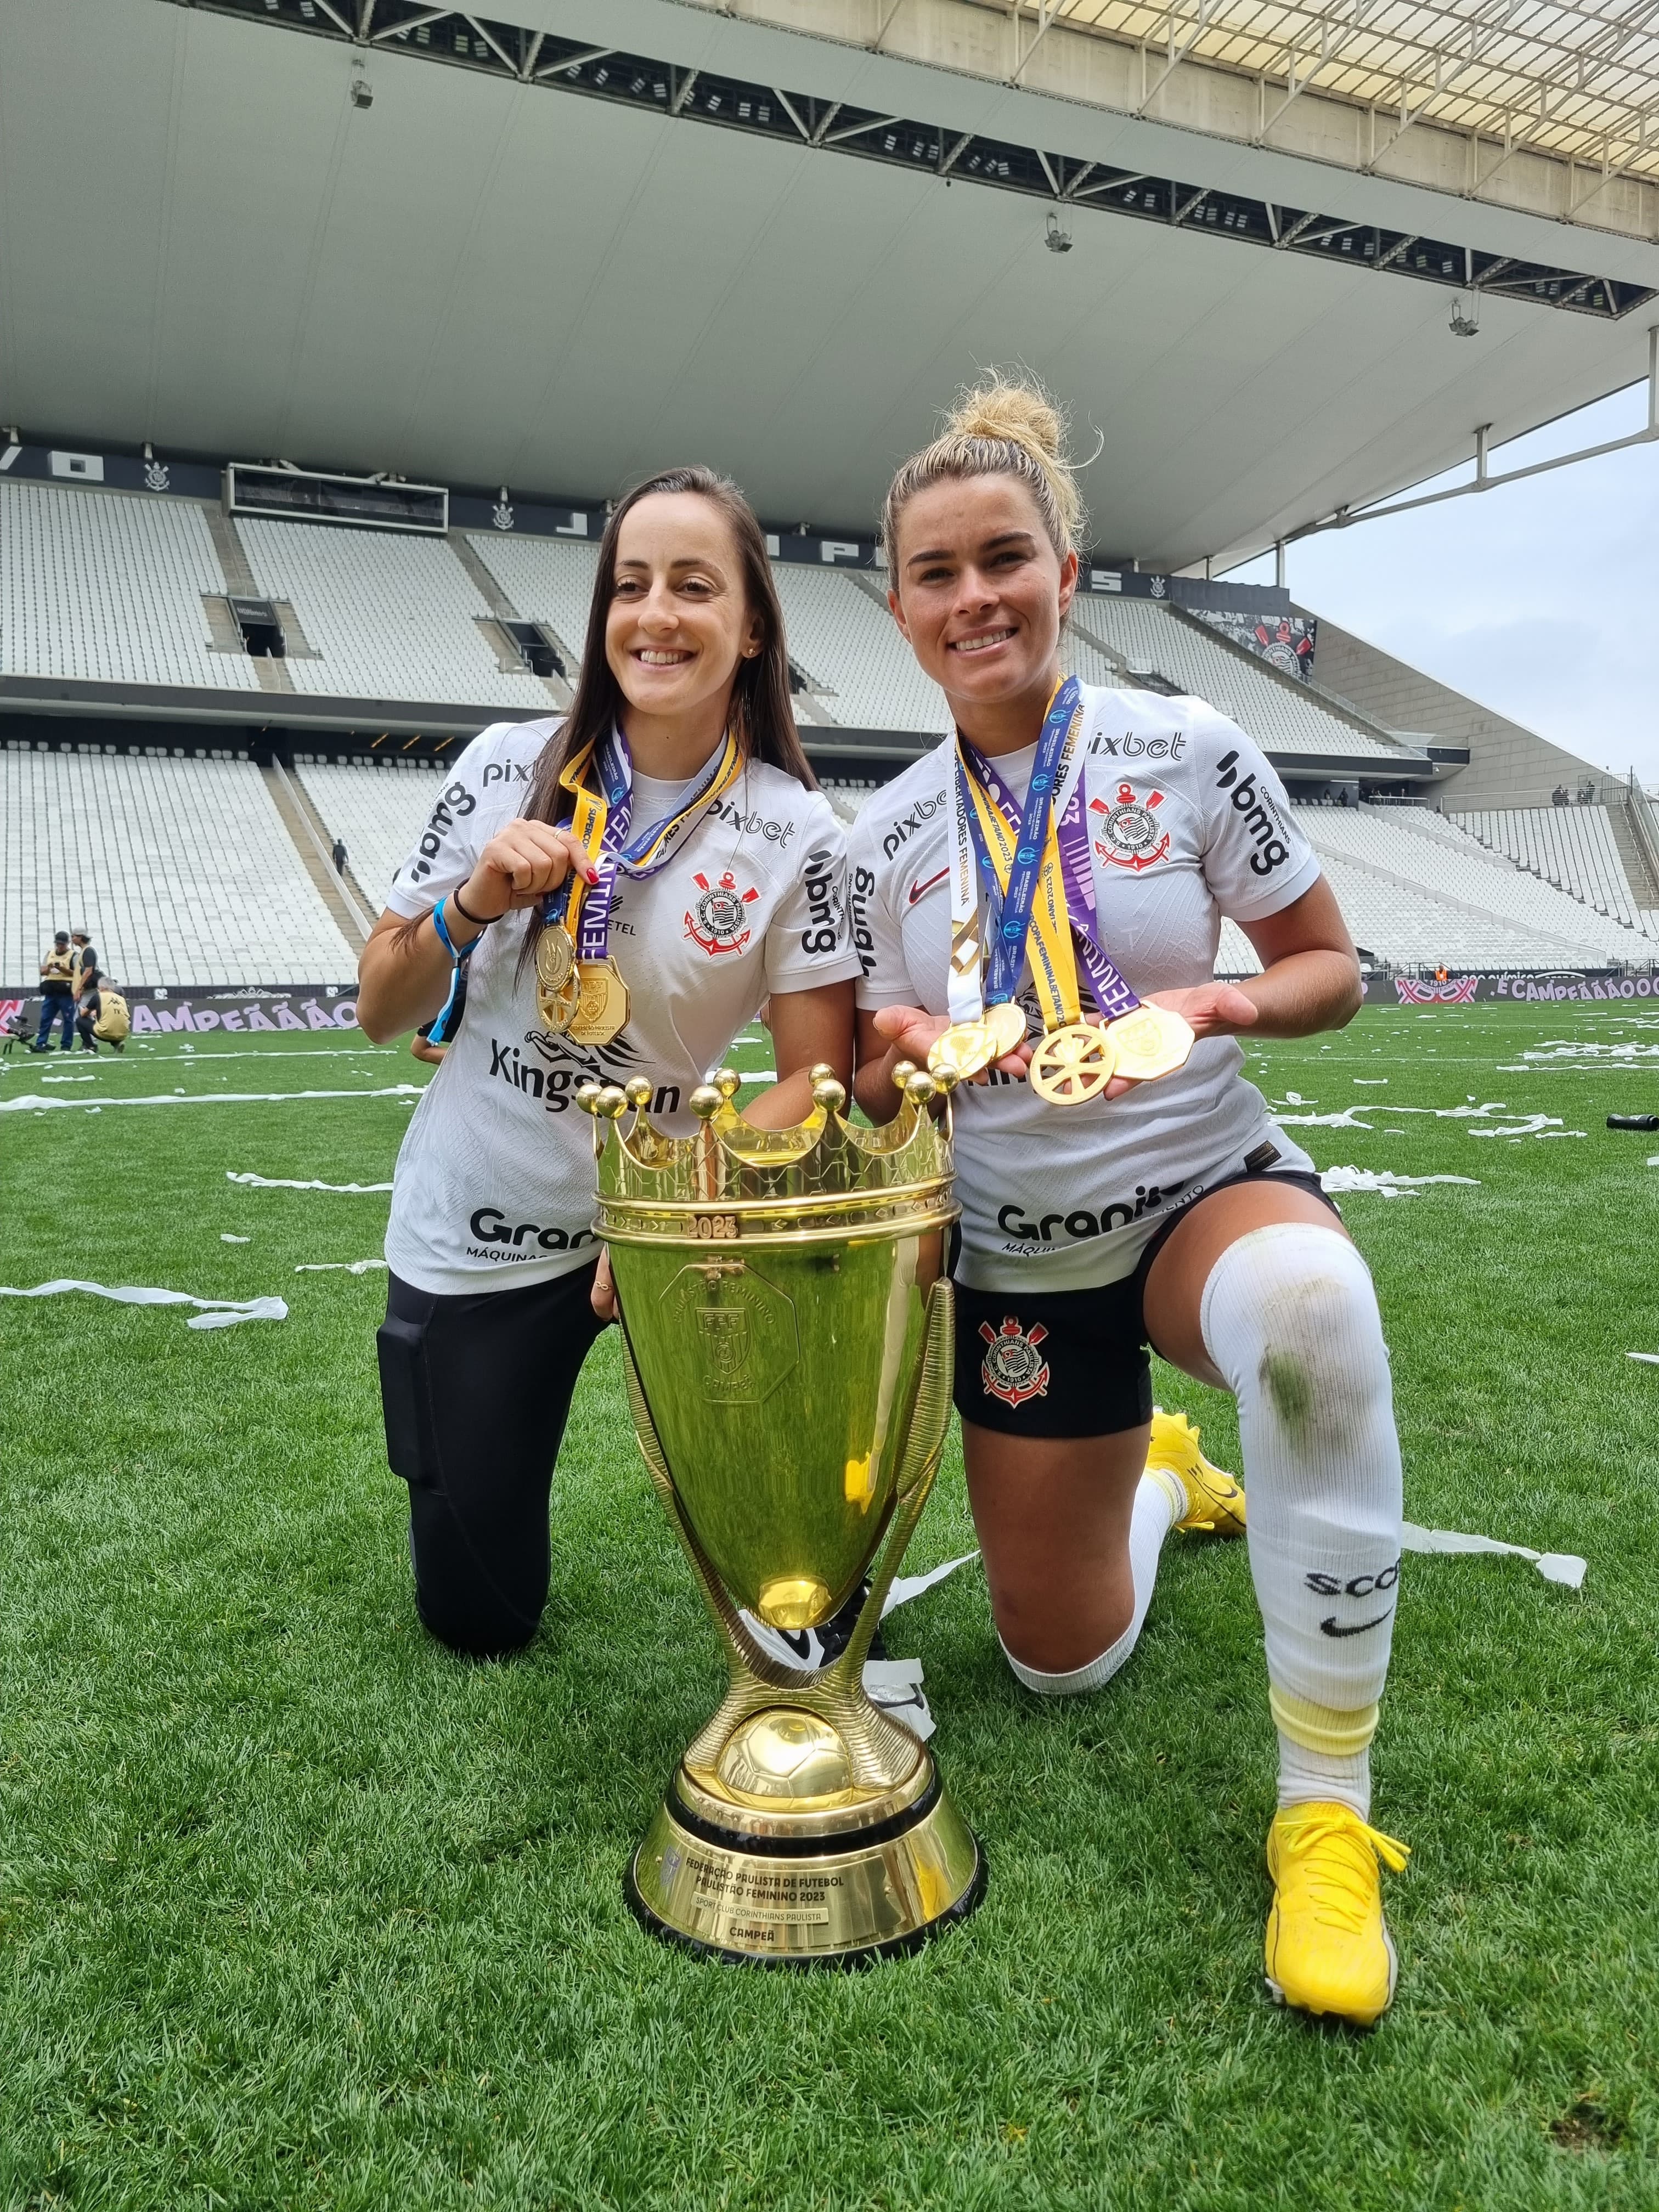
x=871 y=1891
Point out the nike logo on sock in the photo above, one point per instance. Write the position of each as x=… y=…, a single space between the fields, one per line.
x=1331 y=1626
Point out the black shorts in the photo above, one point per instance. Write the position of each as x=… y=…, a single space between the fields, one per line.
x=1069 y=1362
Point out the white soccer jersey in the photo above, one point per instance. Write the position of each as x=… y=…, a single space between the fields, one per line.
x=1187 y=822
x=495 y=1180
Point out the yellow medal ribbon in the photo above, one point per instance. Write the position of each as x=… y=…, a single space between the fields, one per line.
x=590 y=812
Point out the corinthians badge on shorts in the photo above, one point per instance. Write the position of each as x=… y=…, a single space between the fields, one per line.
x=1129 y=833
x=1013 y=1369
x=719 y=917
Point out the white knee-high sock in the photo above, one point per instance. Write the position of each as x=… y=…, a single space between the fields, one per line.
x=1160 y=1502
x=1289 y=1317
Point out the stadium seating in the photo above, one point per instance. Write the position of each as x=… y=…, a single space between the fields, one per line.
x=105 y=587
x=1507 y=906
x=387 y=617
x=181 y=870
x=848 y=648
x=547 y=581
x=378 y=812
x=1571 y=847
x=1281 y=716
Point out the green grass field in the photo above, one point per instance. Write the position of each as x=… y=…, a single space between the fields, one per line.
x=297 y=1911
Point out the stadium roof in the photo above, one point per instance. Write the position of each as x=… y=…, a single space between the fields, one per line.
x=557 y=247
x=1577 y=81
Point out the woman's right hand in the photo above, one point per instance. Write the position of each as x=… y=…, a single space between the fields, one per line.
x=912 y=1032
x=520 y=866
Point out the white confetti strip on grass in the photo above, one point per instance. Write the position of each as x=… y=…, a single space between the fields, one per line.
x=33 y=1103
x=283 y=1183
x=216 y=1313
x=339 y=1266
x=1648 y=1358
x=225 y=1237
x=1563 y=1567
x=1385 y=1182
x=1347 y=1118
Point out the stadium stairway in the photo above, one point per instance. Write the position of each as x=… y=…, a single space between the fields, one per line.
x=338 y=889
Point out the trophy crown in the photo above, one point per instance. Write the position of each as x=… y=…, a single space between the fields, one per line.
x=824 y=1176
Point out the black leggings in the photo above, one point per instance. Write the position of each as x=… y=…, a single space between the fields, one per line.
x=476 y=1391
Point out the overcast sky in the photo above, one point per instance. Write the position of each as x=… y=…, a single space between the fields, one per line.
x=1539 y=599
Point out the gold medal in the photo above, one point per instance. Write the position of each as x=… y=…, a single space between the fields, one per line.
x=555 y=956
x=1072 y=1064
x=1006 y=1024
x=556 y=1007
x=601 y=1009
x=1153 y=1040
x=964 y=1048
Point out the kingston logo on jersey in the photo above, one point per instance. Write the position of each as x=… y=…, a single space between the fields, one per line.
x=1013 y=1370
x=1129 y=833
x=717 y=920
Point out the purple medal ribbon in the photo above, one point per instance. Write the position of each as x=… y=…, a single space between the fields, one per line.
x=1113 y=994
x=616 y=768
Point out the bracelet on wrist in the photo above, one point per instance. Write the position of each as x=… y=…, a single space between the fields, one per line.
x=478 y=920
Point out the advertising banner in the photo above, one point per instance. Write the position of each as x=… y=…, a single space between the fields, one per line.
x=1537 y=985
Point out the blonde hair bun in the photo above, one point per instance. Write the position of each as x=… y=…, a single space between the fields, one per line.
x=1001 y=426
x=1020 y=413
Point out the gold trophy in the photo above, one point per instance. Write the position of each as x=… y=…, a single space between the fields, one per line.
x=787 y=1339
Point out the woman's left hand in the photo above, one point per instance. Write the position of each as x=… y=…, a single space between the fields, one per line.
x=603 y=1295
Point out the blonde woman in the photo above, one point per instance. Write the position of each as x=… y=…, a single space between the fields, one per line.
x=1056 y=870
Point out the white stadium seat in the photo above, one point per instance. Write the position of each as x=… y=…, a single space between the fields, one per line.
x=546 y=581
x=846 y=645
x=107 y=587
x=1281 y=716
x=1571 y=847
x=378 y=812
x=181 y=870
x=387 y=617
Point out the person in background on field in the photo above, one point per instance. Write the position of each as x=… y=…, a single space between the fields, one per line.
x=57 y=994
x=89 y=1000
x=338 y=856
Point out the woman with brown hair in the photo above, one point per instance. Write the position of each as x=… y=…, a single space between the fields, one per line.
x=674 y=866
x=1048 y=922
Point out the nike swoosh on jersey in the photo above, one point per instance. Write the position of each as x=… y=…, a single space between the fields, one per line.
x=1331 y=1626
x=921 y=891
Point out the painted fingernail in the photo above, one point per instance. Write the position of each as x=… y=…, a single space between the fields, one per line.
x=593 y=875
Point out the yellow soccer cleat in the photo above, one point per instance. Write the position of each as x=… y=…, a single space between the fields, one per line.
x=1328 y=1948
x=1213 y=1500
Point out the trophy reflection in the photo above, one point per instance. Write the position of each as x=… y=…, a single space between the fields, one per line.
x=787 y=1340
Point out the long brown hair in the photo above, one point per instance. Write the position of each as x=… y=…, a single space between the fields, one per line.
x=763 y=718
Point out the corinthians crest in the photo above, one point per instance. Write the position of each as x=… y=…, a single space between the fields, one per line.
x=718 y=918
x=1127 y=832
x=1013 y=1369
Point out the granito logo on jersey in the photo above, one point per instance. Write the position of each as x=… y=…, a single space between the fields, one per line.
x=718 y=918
x=498 y=1237
x=1128 y=832
x=1013 y=1369
x=909 y=825
x=1081 y=1224
x=1262 y=818
x=456 y=802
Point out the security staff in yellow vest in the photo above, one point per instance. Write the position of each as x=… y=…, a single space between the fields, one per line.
x=57 y=994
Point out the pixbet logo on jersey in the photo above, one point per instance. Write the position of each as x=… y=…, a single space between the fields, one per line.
x=1127 y=832
x=718 y=918
x=1013 y=1369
